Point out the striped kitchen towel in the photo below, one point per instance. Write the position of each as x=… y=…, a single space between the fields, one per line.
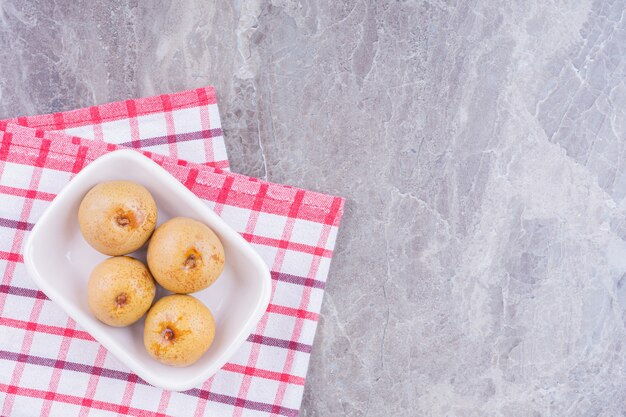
x=49 y=366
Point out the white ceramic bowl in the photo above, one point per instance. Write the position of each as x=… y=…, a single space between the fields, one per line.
x=60 y=261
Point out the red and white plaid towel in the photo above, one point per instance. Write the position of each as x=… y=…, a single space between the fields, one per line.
x=184 y=125
x=51 y=367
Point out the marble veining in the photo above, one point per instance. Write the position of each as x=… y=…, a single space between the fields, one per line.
x=481 y=265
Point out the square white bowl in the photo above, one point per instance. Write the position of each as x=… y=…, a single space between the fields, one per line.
x=60 y=262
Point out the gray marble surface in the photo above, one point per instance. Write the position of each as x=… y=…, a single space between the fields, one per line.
x=481 y=265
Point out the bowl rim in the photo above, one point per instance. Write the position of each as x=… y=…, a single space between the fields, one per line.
x=83 y=320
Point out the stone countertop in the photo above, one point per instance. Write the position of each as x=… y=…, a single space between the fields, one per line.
x=481 y=262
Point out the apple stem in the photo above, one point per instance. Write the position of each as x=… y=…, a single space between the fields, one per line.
x=168 y=334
